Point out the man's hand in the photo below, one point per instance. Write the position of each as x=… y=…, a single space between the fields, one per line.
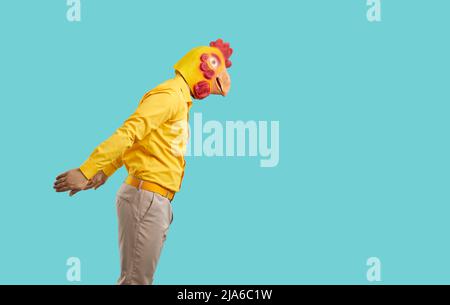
x=73 y=181
x=97 y=181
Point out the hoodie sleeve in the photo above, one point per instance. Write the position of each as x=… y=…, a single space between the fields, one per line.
x=154 y=110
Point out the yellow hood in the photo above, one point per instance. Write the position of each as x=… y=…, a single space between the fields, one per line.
x=203 y=67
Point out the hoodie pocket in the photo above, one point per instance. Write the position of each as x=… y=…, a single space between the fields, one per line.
x=146 y=205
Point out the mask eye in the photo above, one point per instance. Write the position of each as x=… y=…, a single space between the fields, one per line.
x=214 y=62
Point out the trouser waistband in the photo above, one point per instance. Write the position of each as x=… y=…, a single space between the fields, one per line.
x=150 y=186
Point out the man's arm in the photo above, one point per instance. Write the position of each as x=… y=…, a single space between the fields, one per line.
x=153 y=110
x=150 y=114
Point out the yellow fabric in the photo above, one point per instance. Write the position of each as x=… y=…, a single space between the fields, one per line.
x=149 y=186
x=189 y=65
x=151 y=142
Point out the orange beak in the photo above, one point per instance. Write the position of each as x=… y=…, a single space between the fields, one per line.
x=222 y=83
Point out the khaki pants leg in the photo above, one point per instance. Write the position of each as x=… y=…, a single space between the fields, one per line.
x=144 y=220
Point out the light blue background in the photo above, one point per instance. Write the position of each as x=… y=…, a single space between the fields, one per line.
x=364 y=151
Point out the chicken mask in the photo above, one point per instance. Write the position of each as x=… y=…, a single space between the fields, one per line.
x=205 y=69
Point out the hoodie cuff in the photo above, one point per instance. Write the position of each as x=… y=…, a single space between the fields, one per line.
x=89 y=169
x=109 y=170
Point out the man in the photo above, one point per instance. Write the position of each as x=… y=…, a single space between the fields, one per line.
x=151 y=144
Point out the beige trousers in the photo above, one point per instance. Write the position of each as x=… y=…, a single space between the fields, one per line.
x=144 y=220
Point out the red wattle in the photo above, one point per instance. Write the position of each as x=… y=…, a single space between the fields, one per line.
x=202 y=90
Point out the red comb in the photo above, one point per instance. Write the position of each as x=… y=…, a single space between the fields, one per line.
x=224 y=47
